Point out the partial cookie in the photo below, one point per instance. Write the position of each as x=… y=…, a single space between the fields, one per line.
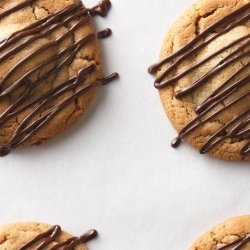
x=32 y=235
x=204 y=78
x=50 y=68
x=233 y=234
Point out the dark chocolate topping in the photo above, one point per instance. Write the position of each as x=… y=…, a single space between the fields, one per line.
x=238 y=127
x=101 y=9
x=40 y=29
x=104 y=33
x=44 y=240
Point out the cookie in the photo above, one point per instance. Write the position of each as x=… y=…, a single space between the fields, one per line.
x=233 y=234
x=50 y=68
x=203 y=77
x=33 y=235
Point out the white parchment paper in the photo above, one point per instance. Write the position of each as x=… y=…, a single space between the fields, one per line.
x=115 y=171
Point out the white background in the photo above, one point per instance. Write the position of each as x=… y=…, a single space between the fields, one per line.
x=115 y=171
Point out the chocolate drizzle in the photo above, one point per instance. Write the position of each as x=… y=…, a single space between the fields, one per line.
x=44 y=240
x=104 y=33
x=101 y=9
x=41 y=29
x=236 y=129
x=236 y=245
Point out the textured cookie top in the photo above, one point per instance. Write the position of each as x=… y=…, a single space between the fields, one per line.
x=204 y=78
x=233 y=234
x=39 y=236
x=50 y=67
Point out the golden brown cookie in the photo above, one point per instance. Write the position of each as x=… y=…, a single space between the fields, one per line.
x=50 y=68
x=233 y=234
x=203 y=77
x=34 y=235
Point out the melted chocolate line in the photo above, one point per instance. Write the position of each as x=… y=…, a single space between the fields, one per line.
x=45 y=47
x=37 y=124
x=73 y=49
x=231 y=17
x=159 y=84
x=34 y=38
x=38 y=26
x=54 y=94
x=208 y=101
x=90 y=235
x=222 y=65
x=197 y=121
x=10 y=114
x=227 y=88
x=241 y=129
x=51 y=97
x=73 y=242
x=108 y=79
x=16 y=8
x=104 y=33
x=63 y=244
x=65 y=86
x=52 y=234
x=222 y=134
x=220 y=95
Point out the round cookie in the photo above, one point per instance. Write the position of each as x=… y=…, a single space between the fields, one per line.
x=203 y=77
x=231 y=234
x=50 y=68
x=30 y=235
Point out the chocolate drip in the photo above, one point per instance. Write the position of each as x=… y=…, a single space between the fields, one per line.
x=43 y=240
x=238 y=127
x=41 y=29
x=104 y=33
x=101 y=9
x=236 y=245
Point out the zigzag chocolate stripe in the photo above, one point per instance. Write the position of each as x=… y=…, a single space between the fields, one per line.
x=238 y=127
x=41 y=29
x=43 y=240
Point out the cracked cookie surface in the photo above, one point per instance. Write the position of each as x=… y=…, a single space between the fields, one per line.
x=17 y=236
x=181 y=107
x=87 y=55
x=231 y=234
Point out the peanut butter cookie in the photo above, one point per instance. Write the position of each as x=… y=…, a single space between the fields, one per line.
x=203 y=77
x=50 y=68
